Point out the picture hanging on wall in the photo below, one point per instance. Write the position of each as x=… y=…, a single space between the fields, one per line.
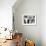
x=29 y=20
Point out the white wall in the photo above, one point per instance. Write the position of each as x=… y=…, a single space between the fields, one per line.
x=37 y=32
x=29 y=7
x=6 y=13
x=43 y=22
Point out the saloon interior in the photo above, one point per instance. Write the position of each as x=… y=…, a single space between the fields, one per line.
x=22 y=22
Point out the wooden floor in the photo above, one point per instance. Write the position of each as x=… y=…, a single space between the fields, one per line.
x=9 y=43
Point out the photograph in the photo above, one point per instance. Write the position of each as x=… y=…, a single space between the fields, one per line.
x=29 y=20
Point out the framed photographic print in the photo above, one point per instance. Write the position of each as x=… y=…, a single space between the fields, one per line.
x=29 y=20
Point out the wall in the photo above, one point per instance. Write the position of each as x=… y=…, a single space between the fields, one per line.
x=6 y=13
x=28 y=7
x=43 y=22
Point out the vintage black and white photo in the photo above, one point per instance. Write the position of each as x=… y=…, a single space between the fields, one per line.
x=29 y=20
